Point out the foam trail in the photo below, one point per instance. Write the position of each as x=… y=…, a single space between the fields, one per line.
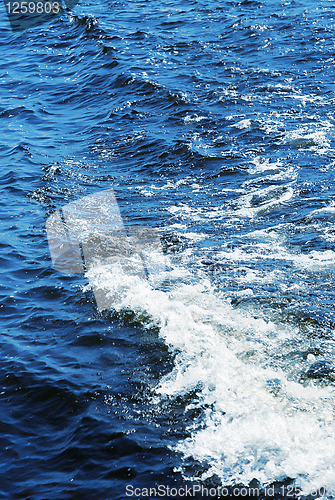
x=258 y=420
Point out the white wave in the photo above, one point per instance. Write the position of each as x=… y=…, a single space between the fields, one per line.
x=274 y=250
x=258 y=420
x=195 y=118
x=243 y=124
x=267 y=199
x=263 y=165
x=304 y=137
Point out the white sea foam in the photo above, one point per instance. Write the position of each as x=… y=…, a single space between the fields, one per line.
x=274 y=250
x=258 y=420
x=267 y=199
x=243 y=124
x=195 y=118
x=263 y=165
x=307 y=138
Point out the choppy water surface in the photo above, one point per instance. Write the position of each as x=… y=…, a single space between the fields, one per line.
x=214 y=123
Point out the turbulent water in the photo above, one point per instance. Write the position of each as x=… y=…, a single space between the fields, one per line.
x=213 y=122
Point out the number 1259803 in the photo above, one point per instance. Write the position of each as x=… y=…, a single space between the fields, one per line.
x=33 y=7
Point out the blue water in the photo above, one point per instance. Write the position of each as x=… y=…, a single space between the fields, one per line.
x=213 y=122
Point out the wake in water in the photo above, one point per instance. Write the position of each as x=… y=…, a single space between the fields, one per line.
x=262 y=417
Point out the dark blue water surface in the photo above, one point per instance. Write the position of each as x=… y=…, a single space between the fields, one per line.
x=213 y=122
